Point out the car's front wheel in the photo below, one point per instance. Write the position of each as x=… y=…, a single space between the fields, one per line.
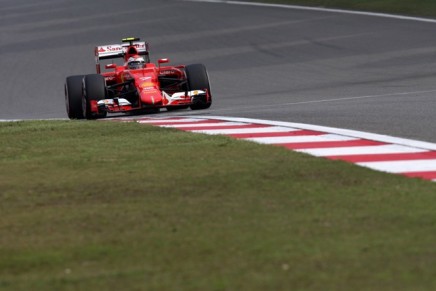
x=73 y=97
x=94 y=89
x=198 y=79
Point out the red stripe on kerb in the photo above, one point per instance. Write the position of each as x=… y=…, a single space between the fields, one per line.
x=422 y=175
x=330 y=144
x=168 y=122
x=222 y=127
x=385 y=157
x=275 y=134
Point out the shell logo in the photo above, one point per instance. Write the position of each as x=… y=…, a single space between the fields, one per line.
x=147 y=84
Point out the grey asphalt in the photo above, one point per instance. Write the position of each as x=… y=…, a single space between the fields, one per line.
x=350 y=71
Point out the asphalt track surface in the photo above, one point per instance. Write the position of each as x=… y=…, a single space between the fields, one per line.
x=350 y=71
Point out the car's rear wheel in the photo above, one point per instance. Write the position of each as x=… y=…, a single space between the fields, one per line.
x=73 y=97
x=94 y=89
x=198 y=79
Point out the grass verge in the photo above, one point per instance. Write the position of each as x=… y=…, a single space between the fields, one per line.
x=123 y=206
x=426 y=8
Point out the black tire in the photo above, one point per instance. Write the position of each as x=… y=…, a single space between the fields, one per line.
x=198 y=79
x=73 y=97
x=94 y=88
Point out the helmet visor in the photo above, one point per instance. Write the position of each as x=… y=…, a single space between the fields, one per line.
x=136 y=65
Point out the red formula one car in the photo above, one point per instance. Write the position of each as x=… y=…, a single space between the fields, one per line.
x=135 y=86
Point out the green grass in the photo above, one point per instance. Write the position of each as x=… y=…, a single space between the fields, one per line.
x=124 y=206
x=406 y=7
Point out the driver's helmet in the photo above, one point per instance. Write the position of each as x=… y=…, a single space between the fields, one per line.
x=135 y=62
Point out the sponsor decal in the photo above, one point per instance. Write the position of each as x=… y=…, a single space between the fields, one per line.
x=107 y=50
x=138 y=45
x=146 y=84
x=113 y=49
x=167 y=72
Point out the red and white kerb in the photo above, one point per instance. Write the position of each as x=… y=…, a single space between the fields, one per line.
x=378 y=152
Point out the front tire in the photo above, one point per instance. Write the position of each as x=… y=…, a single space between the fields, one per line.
x=198 y=79
x=94 y=89
x=73 y=97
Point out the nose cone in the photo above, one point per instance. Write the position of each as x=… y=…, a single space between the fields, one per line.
x=148 y=87
x=150 y=96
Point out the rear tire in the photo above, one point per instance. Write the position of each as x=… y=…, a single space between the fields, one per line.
x=73 y=97
x=198 y=79
x=94 y=89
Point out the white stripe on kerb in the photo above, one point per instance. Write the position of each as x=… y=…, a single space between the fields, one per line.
x=253 y=130
x=205 y=124
x=340 y=131
x=398 y=167
x=361 y=150
x=172 y=120
x=298 y=139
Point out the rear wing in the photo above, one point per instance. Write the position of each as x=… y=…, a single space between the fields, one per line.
x=112 y=51
x=125 y=50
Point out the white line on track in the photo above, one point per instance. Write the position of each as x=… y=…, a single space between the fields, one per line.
x=280 y=105
x=284 y=6
x=357 y=97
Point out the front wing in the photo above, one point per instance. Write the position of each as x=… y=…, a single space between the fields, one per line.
x=115 y=105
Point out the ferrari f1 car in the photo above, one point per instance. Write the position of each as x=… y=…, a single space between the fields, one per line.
x=135 y=86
